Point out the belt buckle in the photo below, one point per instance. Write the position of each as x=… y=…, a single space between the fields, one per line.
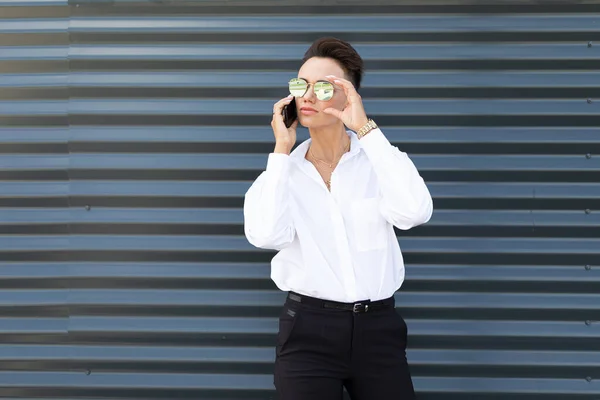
x=356 y=308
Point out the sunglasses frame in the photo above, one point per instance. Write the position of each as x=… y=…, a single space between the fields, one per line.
x=308 y=85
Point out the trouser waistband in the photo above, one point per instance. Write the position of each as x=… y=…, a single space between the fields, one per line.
x=358 y=307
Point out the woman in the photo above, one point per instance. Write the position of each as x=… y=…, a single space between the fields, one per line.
x=329 y=208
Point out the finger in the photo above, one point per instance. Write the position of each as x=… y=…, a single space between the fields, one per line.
x=285 y=100
x=346 y=85
x=281 y=103
x=340 y=81
x=278 y=107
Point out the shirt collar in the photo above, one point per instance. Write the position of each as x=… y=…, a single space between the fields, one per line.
x=298 y=155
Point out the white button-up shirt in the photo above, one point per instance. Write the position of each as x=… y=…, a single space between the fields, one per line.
x=337 y=245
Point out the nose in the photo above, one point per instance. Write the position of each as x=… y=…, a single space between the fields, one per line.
x=310 y=94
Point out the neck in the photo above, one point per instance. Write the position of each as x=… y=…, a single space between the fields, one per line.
x=328 y=143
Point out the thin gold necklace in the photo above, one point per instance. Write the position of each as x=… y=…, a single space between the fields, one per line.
x=329 y=165
x=328 y=181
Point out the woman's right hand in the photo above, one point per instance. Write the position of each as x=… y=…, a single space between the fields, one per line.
x=285 y=138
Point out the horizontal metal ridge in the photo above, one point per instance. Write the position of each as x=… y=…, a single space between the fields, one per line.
x=235 y=134
x=253 y=360
x=430 y=327
x=236 y=161
x=339 y=23
x=260 y=271
x=371 y=51
x=34 y=53
x=233 y=243
x=272 y=52
x=275 y=298
x=128 y=380
x=310 y=23
x=100 y=215
x=32 y=3
x=399 y=136
x=278 y=79
x=239 y=107
x=37 y=25
x=102 y=188
x=155 y=330
x=129 y=383
x=38 y=326
x=256 y=355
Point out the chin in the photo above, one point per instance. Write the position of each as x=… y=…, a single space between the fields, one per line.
x=312 y=122
x=306 y=122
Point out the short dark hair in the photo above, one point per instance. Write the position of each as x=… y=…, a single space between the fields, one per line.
x=342 y=52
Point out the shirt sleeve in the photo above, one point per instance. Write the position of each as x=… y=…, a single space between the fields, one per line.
x=267 y=220
x=405 y=200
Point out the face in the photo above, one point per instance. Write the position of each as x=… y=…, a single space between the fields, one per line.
x=310 y=108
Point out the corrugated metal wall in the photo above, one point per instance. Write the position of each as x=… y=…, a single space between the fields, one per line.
x=129 y=133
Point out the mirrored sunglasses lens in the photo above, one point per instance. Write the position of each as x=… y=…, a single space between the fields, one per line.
x=324 y=90
x=297 y=87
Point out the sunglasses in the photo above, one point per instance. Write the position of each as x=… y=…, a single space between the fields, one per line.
x=323 y=89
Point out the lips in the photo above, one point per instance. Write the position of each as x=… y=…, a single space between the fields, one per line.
x=308 y=110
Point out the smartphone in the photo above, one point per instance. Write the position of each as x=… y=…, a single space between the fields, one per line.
x=290 y=114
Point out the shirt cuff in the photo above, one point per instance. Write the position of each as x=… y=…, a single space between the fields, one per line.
x=278 y=164
x=375 y=142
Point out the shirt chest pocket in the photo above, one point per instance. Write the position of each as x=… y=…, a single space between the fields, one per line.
x=368 y=225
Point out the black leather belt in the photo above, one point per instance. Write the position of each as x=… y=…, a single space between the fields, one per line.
x=358 y=307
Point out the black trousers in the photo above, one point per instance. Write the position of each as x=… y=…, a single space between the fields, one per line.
x=320 y=350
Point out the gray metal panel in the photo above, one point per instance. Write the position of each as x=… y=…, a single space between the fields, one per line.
x=129 y=133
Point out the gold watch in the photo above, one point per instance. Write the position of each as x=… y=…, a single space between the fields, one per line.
x=368 y=127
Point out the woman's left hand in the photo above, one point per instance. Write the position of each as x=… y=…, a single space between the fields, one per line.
x=353 y=115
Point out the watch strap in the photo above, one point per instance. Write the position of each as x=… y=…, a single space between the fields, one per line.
x=368 y=127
